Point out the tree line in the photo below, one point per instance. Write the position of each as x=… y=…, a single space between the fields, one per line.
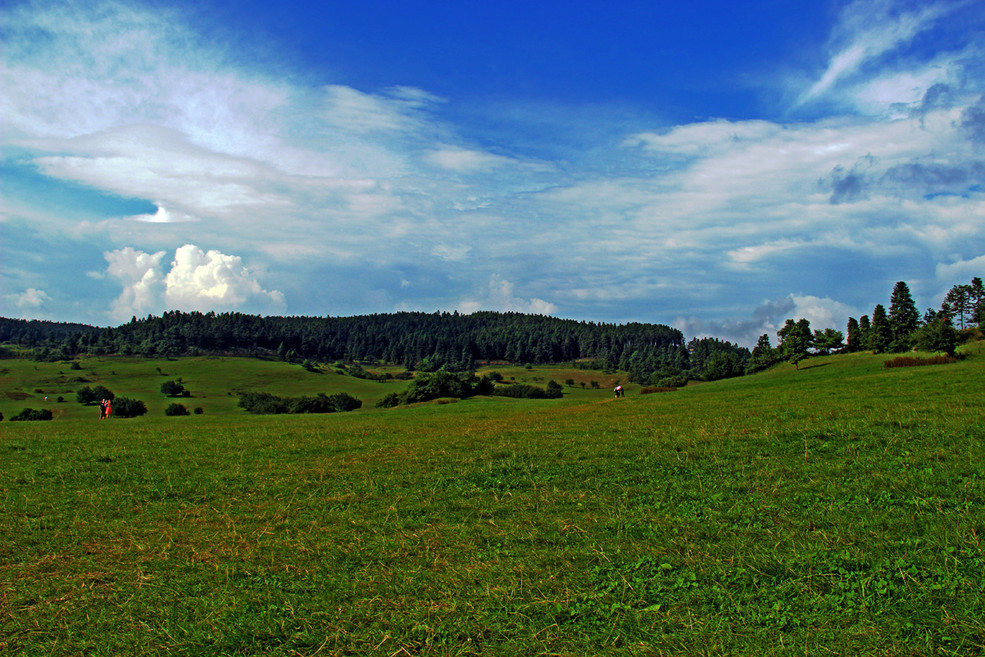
x=419 y=341
x=898 y=330
x=651 y=354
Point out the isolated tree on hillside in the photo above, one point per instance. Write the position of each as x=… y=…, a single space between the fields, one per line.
x=903 y=317
x=795 y=340
x=880 y=333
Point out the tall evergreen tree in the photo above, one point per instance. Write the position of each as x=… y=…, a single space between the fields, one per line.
x=854 y=342
x=903 y=317
x=976 y=292
x=880 y=334
x=763 y=355
x=864 y=328
x=957 y=303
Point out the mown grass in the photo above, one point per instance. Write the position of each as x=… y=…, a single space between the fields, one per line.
x=835 y=510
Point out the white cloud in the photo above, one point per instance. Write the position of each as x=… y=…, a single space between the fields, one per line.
x=197 y=280
x=452 y=252
x=769 y=317
x=465 y=161
x=498 y=295
x=31 y=300
x=868 y=31
x=140 y=275
x=961 y=271
x=211 y=280
x=164 y=216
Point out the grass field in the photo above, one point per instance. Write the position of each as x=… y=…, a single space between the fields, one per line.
x=838 y=510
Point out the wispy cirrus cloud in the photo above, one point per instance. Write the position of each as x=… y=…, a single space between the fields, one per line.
x=869 y=54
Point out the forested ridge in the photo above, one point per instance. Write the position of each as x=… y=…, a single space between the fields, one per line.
x=649 y=353
x=417 y=340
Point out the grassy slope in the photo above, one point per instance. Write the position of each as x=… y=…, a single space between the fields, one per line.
x=214 y=381
x=834 y=510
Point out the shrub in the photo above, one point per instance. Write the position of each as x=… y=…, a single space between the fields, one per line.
x=526 y=391
x=125 y=407
x=913 y=361
x=649 y=390
x=89 y=395
x=198 y=410
x=172 y=388
x=673 y=381
x=388 y=401
x=1 y=417
x=31 y=415
x=176 y=410
x=264 y=403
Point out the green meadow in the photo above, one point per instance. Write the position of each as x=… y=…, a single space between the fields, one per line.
x=834 y=510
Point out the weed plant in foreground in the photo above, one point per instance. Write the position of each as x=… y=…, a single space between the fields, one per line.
x=835 y=510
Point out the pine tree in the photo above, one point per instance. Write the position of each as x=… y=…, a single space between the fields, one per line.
x=957 y=303
x=903 y=317
x=864 y=328
x=976 y=292
x=854 y=342
x=880 y=334
x=763 y=355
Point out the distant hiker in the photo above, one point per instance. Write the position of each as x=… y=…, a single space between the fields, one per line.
x=619 y=391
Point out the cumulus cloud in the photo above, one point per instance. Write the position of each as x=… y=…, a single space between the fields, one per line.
x=29 y=301
x=196 y=280
x=211 y=280
x=140 y=275
x=498 y=295
x=769 y=317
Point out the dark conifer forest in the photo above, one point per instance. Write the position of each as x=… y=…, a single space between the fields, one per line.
x=419 y=341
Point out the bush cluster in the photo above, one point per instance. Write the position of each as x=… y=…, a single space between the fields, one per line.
x=176 y=410
x=526 y=391
x=31 y=415
x=87 y=395
x=174 y=389
x=435 y=385
x=649 y=390
x=460 y=385
x=264 y=403
x=913 y=361
x=125 y=407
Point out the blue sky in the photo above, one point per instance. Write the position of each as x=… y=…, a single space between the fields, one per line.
x=714 y=166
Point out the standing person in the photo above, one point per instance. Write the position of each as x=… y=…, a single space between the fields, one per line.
x=102 y=408
x=109 y=408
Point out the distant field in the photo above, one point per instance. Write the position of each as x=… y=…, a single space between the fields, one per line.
x=215 y=381
x=835 y=510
